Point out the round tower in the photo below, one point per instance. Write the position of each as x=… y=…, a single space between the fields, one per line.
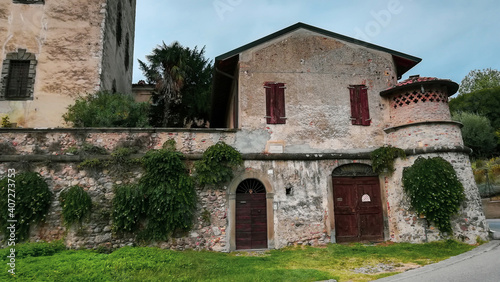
x=419 y=116
x=420 y=122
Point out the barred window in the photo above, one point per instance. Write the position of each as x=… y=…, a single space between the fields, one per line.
x=28 y=1
x=18 y=76
x=17 y=81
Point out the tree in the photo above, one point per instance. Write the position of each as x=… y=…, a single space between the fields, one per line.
x=105 y=109
x=182 y=78
x=485 y=102
x=477 y=134
x=478 y=80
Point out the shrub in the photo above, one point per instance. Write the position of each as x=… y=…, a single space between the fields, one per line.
x=434 y=190
x=478 y=134
x=217 y=163
x=32 y=202
x=75 y=203
x=105 y=109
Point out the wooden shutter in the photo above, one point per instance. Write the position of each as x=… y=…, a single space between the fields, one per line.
x=360 y=114
x=275 y=103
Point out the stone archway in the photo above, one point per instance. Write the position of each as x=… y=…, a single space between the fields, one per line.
x=269 y=199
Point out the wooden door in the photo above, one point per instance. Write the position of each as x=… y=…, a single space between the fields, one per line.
x=358 y=209
x=251 y=218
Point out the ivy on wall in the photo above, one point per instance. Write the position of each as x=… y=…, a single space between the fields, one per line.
x=434 y=190
x=75 y=203
x=170 y=198
x=383 y=158
x=128 y=208
x=165 y=198
x=32 y=202
x=217 y=164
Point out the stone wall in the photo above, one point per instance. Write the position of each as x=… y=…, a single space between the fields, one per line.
x=406 y=226
x=299 y=186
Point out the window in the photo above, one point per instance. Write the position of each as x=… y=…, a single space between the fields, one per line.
x=28 y=1
x=18 y=76
x=360 y=114
x=275 y=103
x=119 y=24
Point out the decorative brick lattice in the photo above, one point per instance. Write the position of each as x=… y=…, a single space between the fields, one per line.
x=415 y=97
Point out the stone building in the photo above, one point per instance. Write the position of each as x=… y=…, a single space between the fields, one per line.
x=54 y=51
x=316 y=103
x=305 y=107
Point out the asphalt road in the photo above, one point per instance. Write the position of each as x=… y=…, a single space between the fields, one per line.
x=481 y=264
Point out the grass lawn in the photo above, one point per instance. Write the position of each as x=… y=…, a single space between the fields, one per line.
x=52 y=262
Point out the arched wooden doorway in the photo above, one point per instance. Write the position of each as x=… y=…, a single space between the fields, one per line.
x=251 y=215
x=357 y=204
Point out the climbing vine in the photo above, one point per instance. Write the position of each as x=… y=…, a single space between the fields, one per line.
x=170 y=198
x=217 y=164
x=434 y=190
x=383 y=158
x=75 y=203
x=165 y=197
x=128 y=207
x=32 y=202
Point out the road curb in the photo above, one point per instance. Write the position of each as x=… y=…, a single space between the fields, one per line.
x=453 y=260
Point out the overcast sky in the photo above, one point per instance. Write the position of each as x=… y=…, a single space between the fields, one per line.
x=451 y=36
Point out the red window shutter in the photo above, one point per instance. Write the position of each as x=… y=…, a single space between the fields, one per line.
x=355 y=109
x=275 y=103
x=269 y=102
x=360 y=114
x=280 y=104
x=365 y=111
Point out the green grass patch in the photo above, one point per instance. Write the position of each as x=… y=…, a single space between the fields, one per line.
x=52 y=262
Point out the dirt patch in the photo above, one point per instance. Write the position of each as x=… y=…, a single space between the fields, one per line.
x=386 y=268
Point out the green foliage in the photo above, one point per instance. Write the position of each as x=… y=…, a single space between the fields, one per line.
x=217 y=164
x=434 y=190
x=92 y=164
x=183 y=79
x=105 y=109
x=487 y=176
x=170 y=198
x=485 y=102
x=90 y=149
x=32 y=202
x=128 y=207
x=477 y=134
x=336 y=261
x=383 y=158
x=6 y=122
x=38 y=249
x=75 y=203
x=478 y=80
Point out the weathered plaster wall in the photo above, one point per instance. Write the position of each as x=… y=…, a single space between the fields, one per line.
x=116 y=73
x=67 y=37
x=317 y=72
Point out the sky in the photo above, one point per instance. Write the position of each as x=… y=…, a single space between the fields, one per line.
x=452 y=37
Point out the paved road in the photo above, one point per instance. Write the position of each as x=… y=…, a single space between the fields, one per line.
x=481 y=264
